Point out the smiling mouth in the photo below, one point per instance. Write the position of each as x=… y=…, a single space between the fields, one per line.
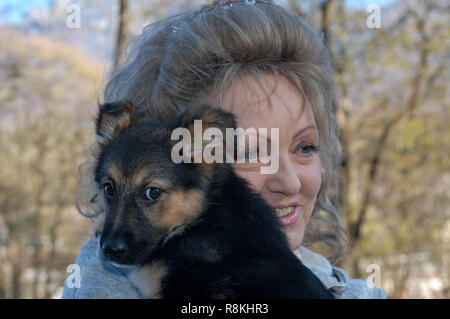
x=281 y=212
x=287 y=215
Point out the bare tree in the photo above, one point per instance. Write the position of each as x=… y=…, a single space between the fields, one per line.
x=122 y=31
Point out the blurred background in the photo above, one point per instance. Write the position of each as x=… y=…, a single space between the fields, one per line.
x=391 y=60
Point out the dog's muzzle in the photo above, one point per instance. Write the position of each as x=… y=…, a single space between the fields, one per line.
x=114 y=251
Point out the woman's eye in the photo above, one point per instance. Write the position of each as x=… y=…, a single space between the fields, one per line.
x=108 y=189
x=152 y=193
x=307 y=149
x=251 y=155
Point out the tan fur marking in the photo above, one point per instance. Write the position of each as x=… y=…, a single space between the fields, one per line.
x=180 y=207
x=148 y=279
x=139 y=177
x=114 y=172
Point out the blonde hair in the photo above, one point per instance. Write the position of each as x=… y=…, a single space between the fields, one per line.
x=177 y=59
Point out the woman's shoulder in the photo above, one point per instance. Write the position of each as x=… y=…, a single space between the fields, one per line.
x=337 y=280
x=92 y=277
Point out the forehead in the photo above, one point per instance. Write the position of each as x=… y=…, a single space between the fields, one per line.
x=142 y=175
x=285 y=107
x=137 y=153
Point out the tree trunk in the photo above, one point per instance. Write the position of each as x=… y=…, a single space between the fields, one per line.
x=16 y=281
x=326 y=8
x=122 y=31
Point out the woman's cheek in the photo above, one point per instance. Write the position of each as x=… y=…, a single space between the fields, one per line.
x=311 y=178
x=318 y=179
x=254 y=178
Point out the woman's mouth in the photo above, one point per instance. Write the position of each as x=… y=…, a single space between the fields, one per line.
x=287 y=215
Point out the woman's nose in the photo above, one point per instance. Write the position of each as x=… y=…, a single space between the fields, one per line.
x=286 y=180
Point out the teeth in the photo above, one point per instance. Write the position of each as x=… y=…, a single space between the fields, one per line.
x=280 y=212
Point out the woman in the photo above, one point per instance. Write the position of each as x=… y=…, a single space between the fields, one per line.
x=272 y=71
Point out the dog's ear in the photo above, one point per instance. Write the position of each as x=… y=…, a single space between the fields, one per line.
x=210 y=117
x=113 y=119
x=211 y=124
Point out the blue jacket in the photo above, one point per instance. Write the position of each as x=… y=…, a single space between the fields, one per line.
x=94 y=277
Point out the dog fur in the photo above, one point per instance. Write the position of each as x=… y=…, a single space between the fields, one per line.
x=207 y=235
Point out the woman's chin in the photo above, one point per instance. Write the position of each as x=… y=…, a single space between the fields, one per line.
x=295 y=239
x=296 y=232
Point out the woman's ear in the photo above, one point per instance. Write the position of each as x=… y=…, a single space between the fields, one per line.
x=113 y=119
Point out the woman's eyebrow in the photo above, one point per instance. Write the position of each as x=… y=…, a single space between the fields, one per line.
x=311 y=126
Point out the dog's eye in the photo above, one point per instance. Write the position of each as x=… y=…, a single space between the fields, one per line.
x=108 y=188
x=152 y=193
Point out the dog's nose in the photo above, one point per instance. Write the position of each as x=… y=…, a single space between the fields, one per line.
x=114 y=250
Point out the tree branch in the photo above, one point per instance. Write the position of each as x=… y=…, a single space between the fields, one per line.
x=411 y=105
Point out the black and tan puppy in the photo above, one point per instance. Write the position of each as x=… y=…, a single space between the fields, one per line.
x=194 y=230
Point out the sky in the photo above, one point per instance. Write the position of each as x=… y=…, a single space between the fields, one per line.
x=12 y=11
x=364 y=3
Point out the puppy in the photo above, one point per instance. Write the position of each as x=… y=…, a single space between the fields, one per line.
x=194 y=230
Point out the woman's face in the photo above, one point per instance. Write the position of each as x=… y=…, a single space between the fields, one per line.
x=293 y=188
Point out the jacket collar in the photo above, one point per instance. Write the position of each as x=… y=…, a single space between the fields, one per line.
x=333 y=278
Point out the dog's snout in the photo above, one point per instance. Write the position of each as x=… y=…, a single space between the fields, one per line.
x=114 y=250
